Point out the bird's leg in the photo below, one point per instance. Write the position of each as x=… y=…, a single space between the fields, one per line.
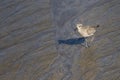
x=86 y=43
x=92 y=38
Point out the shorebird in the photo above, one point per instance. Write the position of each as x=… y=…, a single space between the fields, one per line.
x=86 y=31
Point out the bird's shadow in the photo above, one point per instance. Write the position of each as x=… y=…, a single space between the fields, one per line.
x=73 y=41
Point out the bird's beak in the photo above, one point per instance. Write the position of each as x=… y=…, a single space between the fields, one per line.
x=75 y=29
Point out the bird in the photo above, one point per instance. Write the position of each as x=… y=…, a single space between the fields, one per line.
x=86 y=31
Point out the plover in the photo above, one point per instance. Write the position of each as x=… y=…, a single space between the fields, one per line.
x=86 y=31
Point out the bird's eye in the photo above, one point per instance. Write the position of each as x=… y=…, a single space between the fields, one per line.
x=98 y=26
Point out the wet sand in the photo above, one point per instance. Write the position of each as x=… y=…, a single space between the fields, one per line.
x=30 y=31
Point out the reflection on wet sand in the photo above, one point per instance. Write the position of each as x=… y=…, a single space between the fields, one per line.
x=73 y=41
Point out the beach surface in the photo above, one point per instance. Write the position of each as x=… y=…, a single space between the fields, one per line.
x=31 y=30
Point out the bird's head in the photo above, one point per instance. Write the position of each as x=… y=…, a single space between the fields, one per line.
x=78 y=26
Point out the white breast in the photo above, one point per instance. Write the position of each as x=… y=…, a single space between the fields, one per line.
x=84 y=31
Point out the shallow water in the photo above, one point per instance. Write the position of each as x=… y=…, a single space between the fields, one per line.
x=29 y=34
